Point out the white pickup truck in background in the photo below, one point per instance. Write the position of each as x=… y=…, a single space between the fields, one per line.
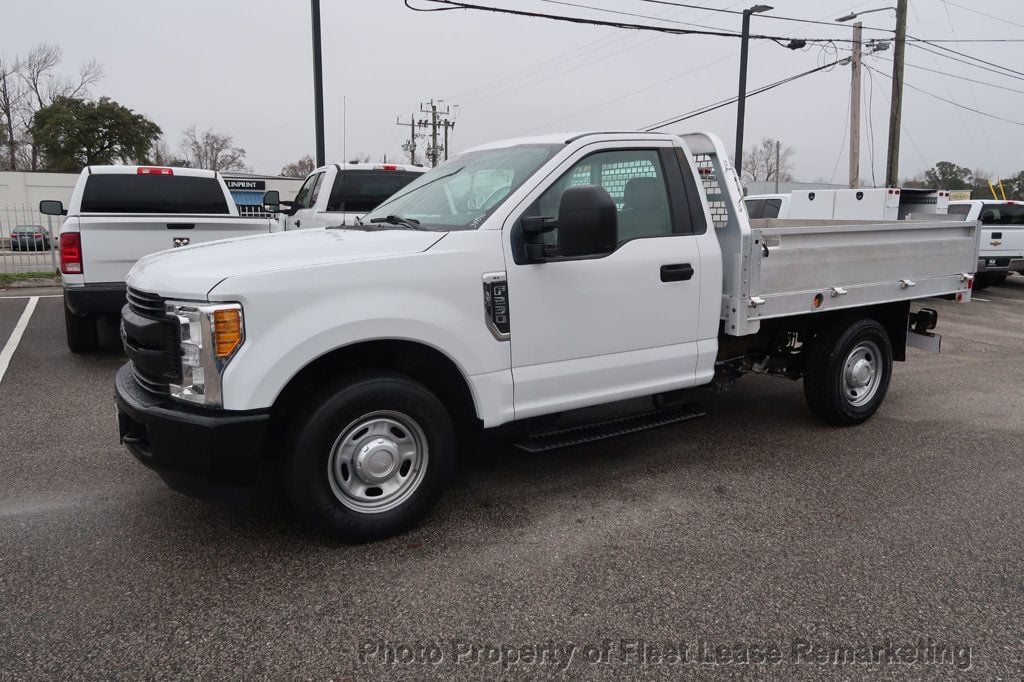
x=340 y=193
x=877 y=203
x=520 y=279
x=117 y=215
x=1001 y=249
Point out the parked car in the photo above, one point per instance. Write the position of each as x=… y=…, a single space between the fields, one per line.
x=340 y=193
x=119 y=214
x=30 y=238
x=519 y=279
x=1002 y=237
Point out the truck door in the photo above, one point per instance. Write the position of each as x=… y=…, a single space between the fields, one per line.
x=305 y=200
x=592 y=330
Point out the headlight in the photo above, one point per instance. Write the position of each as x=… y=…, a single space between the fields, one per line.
x=210 y=337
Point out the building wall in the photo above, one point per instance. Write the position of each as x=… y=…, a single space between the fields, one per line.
x=26 y=189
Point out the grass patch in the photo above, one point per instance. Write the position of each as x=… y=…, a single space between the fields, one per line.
x=9 y=277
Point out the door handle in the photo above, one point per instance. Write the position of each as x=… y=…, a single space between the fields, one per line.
x=677 y=272
x=181 y=226
x=298 y=223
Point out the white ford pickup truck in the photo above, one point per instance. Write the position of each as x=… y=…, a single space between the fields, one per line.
x=119 y=214
x=602 y=266
x=340 y=193
x=1002 y=237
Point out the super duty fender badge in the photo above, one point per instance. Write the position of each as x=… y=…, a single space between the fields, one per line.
x=496 y=312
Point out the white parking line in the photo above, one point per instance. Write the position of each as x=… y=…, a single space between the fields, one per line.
x=40 y=296
x=15 y=339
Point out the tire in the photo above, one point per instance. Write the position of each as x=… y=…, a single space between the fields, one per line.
x=983 y=281
x=847 y=371
x=331 y=457
x=1001 y=278
x=81 y=330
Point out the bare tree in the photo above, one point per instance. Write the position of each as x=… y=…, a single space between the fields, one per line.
x=300 y=168
x=12 y=95
x=42 y=85
x=212 y=151
x=160 y=155
x=760 y=165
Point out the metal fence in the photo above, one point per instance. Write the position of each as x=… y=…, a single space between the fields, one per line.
x=33 y=246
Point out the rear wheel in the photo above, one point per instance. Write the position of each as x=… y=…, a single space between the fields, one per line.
x=847 y=371
x=983 y=280
x=1001 y=278
x=81 y=330
x=371 y=458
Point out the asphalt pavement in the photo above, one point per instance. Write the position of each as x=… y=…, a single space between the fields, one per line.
x=756 y=540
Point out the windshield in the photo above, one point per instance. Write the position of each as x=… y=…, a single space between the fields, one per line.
x=462 y=192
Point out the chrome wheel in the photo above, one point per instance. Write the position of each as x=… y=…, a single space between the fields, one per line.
x=377 y=462
x=862 y=373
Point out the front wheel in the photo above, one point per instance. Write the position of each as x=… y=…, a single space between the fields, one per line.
x=372 y=457
x=847 y=371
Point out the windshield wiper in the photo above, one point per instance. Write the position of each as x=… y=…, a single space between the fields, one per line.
x=410 y=223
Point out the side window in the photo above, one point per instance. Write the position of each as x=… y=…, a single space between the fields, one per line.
x=315 y=191
x=755 y=208
x=635 y=180
x=772 y=207
x=302 y=198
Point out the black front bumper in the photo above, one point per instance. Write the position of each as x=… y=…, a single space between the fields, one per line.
x=197 y=452
x=96 y=299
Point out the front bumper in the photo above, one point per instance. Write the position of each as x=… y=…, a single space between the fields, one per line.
x=197 y=452
x=1000 y=264
x=96 y=299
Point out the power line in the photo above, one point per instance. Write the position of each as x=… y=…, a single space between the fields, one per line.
x=731 y=100
x=968 y=63
x=842 y=145
x=949 y=101
x=617 y=24
x=990 y=16
x=961 y=54
x=953 y=75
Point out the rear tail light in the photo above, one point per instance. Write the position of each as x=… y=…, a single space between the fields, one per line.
x=970 y=282
x=38 y=235
x=71 y=253
x=154 y=170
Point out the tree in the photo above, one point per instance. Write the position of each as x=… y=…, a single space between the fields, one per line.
x=359 y=157
x=72 y=133
x=160 y=155
x=29 y=83
x=300 y=168
x=212 y=151
x=948 y=175
x=759 y=163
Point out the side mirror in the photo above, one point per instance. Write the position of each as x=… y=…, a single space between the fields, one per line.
x=51 y=207
x=272 y=201
x=588 y=222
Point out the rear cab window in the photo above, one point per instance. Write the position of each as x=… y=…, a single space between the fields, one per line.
x=134 y=193
x=361 y=191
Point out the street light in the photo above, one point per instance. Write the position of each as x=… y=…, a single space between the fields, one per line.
x=853 y=15
x=742 y=99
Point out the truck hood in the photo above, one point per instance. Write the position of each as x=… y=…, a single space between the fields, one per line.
x=191 y=272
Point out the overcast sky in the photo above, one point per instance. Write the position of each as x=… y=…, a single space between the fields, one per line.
x=243 y=67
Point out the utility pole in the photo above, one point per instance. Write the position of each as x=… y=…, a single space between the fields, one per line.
x=448 y=125
x=741 y=102
x=412 y=136
x=778 y=155
x=318 y=83
x=434 y=122
x=892 y=166
x=855 y=108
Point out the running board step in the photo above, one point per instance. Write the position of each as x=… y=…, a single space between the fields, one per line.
x=620 y=426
